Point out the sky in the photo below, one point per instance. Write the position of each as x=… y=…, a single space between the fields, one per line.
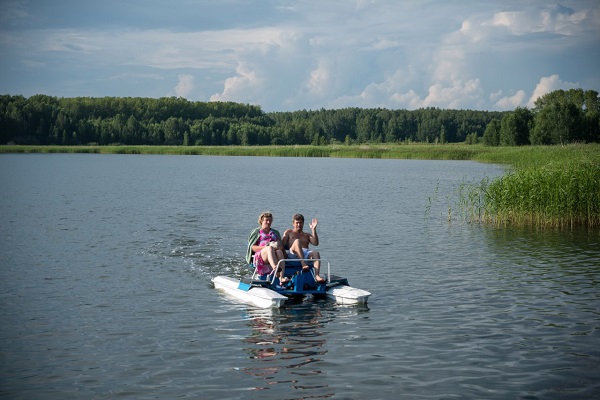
x=289 y=55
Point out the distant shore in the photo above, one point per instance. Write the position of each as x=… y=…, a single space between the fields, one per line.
x=519 y=156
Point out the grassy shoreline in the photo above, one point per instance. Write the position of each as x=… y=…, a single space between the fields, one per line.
x=555 y=195
x=547 y=186
x=516 y=156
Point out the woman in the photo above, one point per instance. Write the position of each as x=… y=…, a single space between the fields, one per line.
x=265 y=249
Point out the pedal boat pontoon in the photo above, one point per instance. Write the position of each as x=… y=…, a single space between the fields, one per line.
x=268 y=292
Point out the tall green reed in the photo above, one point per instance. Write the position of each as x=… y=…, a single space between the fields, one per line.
x=556 y=195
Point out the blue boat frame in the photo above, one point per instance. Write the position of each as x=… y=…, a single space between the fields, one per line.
x=301 y=282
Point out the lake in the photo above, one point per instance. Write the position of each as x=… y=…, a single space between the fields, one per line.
x=106 y=264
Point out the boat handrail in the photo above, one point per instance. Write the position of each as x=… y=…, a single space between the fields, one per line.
x=312 y=271
x=301 y=259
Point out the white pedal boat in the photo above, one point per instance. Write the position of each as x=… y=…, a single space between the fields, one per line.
x=270 y=294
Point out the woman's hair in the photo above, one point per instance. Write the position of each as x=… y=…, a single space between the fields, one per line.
x=263 y=215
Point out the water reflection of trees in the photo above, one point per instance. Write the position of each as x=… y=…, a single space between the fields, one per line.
x=289 y=346
x=554 y=254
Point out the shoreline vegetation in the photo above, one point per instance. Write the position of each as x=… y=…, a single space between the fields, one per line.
x=516 y=156
x=544 y=186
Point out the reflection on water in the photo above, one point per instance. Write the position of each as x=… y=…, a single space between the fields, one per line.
x=550 y=281
x=288 y=346
x=564 y=260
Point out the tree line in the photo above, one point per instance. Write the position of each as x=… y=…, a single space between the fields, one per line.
x=559 y=117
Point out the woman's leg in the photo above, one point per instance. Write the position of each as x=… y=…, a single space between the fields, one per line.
x=268 y=254
x=273 y=256
x=280 y=256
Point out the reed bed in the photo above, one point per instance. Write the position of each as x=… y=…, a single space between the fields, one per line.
x=515 y=156
x=555 y=195
x=392 y=151
x=525 y=156
x=277 y=151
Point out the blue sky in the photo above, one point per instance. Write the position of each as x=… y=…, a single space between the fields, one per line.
x=287 y=55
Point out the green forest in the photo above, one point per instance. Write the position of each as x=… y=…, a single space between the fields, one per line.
x=559 y=117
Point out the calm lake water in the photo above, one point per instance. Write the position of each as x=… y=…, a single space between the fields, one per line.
x=105 y=292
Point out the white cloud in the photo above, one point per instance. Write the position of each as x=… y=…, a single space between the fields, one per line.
x=458 y=95
x=185 y=86
x=387 y=93
x=456 y=77
x=449 y=65
x=517 y=23
x=275 y=71
x=409 y=100
x=548 y=84
x=386 y=44
x=547 y=19
x=507 y=103
x=240 y=86
x=319 y=80
x=561 y=20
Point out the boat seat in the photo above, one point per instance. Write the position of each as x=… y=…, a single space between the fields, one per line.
x=257 y=277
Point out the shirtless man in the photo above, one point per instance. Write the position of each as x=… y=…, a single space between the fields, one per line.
x=297 y=241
